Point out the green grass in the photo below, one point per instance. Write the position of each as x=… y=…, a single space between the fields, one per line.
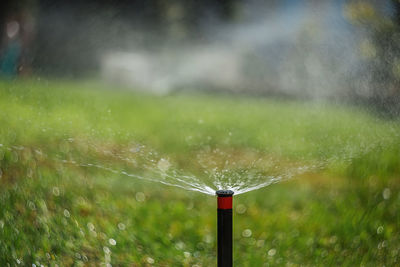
x=53 y=213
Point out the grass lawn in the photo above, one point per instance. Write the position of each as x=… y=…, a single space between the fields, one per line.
x=52 y=212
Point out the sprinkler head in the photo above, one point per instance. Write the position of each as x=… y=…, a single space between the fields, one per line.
x=224 y=193
x=224 y=228
x=225 y=199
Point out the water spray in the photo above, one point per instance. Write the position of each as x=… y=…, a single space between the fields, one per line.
x=224 y=228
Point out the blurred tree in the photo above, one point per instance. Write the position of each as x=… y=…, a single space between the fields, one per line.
x=380 y=50
x=70 y=34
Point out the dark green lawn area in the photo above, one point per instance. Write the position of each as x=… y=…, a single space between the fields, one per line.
x=345 y=212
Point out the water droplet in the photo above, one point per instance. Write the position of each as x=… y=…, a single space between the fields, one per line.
x=140 y=197
x=382 y=244
x=187 y=254
x=66 y=213
x=208 y=239
x=240 y=209
x=112 y=242
x=121 y=226
x=106 y=250
x=56 y=191
x=134 y=149
x=150 y=260
x=246 y=233
x=163 y=165
x=90 y=226
x=386 y=193
x=180 y=245
x=1 y=224
x=379 y=230
x=271 y=252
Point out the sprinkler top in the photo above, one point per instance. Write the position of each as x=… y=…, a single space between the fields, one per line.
x=224 y=193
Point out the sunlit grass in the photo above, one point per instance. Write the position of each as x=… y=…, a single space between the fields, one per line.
x=345 y=213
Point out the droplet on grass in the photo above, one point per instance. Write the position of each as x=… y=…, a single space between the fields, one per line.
x=180 y=245
x=112 y=242
x=379 y=230
x=208 y=239
x=382 y=244
x=240 y=209
x=66 y=213
x=106 y=250
x=134 y=149
x=150 y=260
x=90 y=226
x=246 y=233
x=121 y=226
x=271 y=252
x=163 y=165
x=56 y=191
x=386 y=193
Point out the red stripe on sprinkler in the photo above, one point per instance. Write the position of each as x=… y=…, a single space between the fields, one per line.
x=225 y=203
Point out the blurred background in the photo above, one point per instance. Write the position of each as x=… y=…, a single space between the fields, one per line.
x=117 y=115
x=345 y=50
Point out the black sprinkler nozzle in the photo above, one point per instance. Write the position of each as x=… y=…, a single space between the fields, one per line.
x=224 y=193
